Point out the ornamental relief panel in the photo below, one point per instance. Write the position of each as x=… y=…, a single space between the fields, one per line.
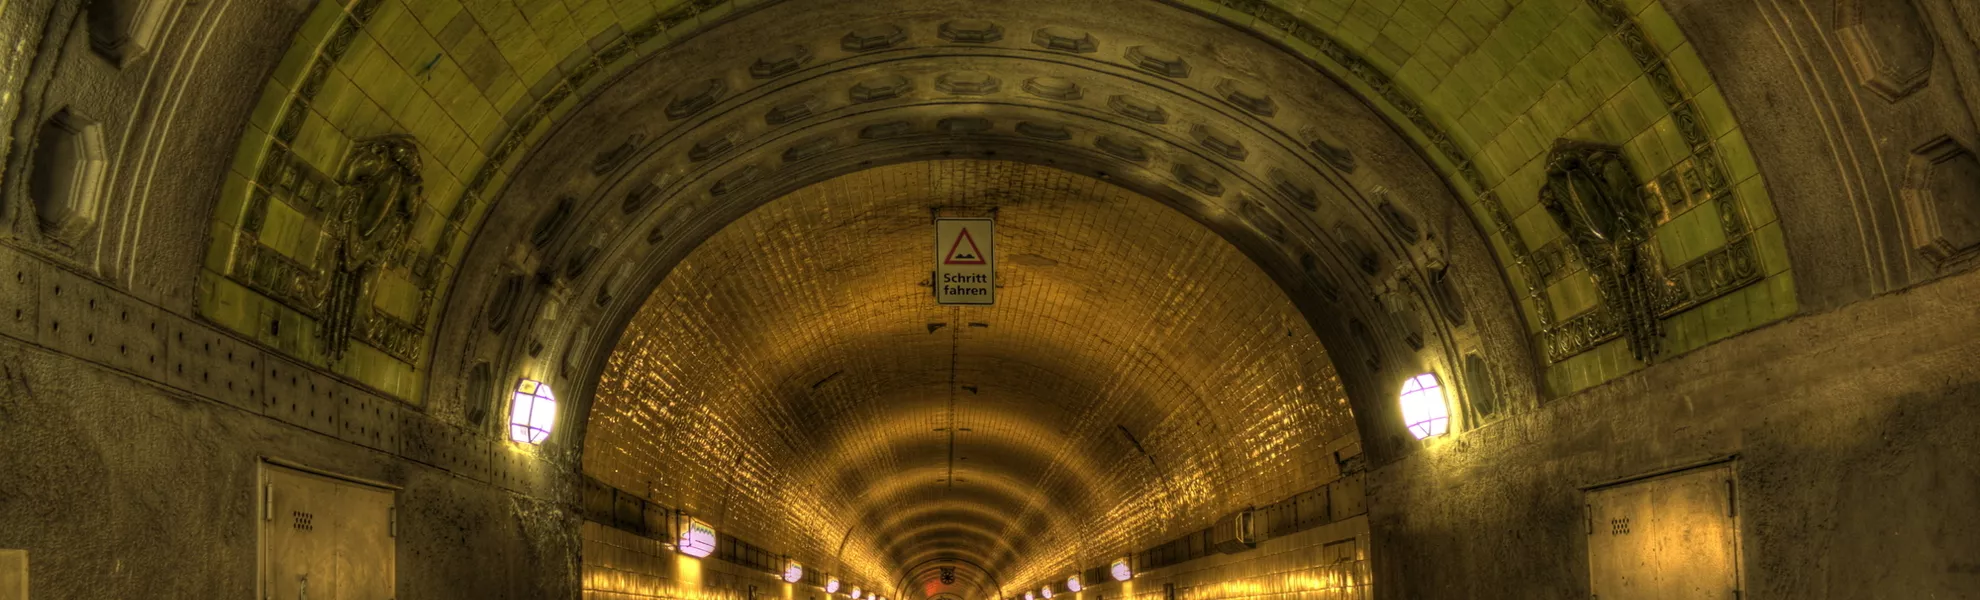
x=1610 y=219
x=322 y=246
x=1592 y=196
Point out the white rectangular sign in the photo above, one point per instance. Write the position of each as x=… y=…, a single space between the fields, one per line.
x=965 y=261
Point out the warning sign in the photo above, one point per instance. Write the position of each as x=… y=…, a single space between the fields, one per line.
x=965 y=261
x=964 y=251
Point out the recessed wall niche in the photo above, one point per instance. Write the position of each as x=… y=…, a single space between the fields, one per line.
x=67 y=179
x=121 y=30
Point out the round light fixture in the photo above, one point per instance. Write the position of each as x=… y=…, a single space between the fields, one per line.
x=697 y=539
x=532 y=413
x=1423 y=407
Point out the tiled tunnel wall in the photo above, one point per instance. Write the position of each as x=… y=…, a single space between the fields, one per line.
x=620 y=565
x=788 y=396
x=1324 y=563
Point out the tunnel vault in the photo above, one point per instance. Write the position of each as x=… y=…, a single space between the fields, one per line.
x=792 y=381
x=1143 y=162
x=1394 y=219
x=1309 y=182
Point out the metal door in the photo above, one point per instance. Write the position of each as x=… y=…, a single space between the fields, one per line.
x=13 y=575
x=324 y=538
x=1671 y=537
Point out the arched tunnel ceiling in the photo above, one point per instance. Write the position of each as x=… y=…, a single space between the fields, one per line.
x=1379 y=162
x=1369 y=244
x=1481 y=87
x=793 y=382
x=1266 y=110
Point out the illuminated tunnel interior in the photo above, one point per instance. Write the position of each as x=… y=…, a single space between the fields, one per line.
x=989 y=300
x=1137 y=379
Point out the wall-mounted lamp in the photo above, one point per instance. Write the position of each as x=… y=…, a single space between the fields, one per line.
x=532 y=413
x=1072 y=584
x=1121 y=571
x=1424 y=408
x=832 y=585
x=855 y=593
x=793 y=571
x=1045 y=591
x=697 y=539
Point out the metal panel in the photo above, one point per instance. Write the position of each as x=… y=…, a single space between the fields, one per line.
x=324 y=538
x=1348 y=496
x=13 y=575
x=1671 y=537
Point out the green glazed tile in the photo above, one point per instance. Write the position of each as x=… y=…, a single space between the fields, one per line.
x=1658 y=27
x=1752 y=194
x=1675 y=147
x=1718 y=117
x=1690 y=69
x=1785 y=303
x=1536 y=227
x=1673 y=246
x=1736 y=156
x=1772 y=248
x=1760 y=304
x=434 y=14
x=1572 y=295
x=268 y=108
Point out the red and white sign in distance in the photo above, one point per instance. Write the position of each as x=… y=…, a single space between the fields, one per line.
x=965 y=261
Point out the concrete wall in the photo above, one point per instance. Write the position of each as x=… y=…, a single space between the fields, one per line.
x=130 y=439
x=130 y=431
x=1854 y=436
x=1851 y=423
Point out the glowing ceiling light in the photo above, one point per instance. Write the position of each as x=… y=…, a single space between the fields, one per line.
x=1072 y=584
x=1423 y=407
x=855 y=592
x=793 y=571
x=533 y=412
x=1121 y=571
x=1045 y=591
x=832 y=585
x=697 y=539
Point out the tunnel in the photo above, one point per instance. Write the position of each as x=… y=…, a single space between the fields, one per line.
x=989 y=300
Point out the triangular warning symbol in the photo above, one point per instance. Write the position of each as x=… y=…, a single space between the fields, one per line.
x=964 y=255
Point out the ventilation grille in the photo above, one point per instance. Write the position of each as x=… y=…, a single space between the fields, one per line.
x=304 y=521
